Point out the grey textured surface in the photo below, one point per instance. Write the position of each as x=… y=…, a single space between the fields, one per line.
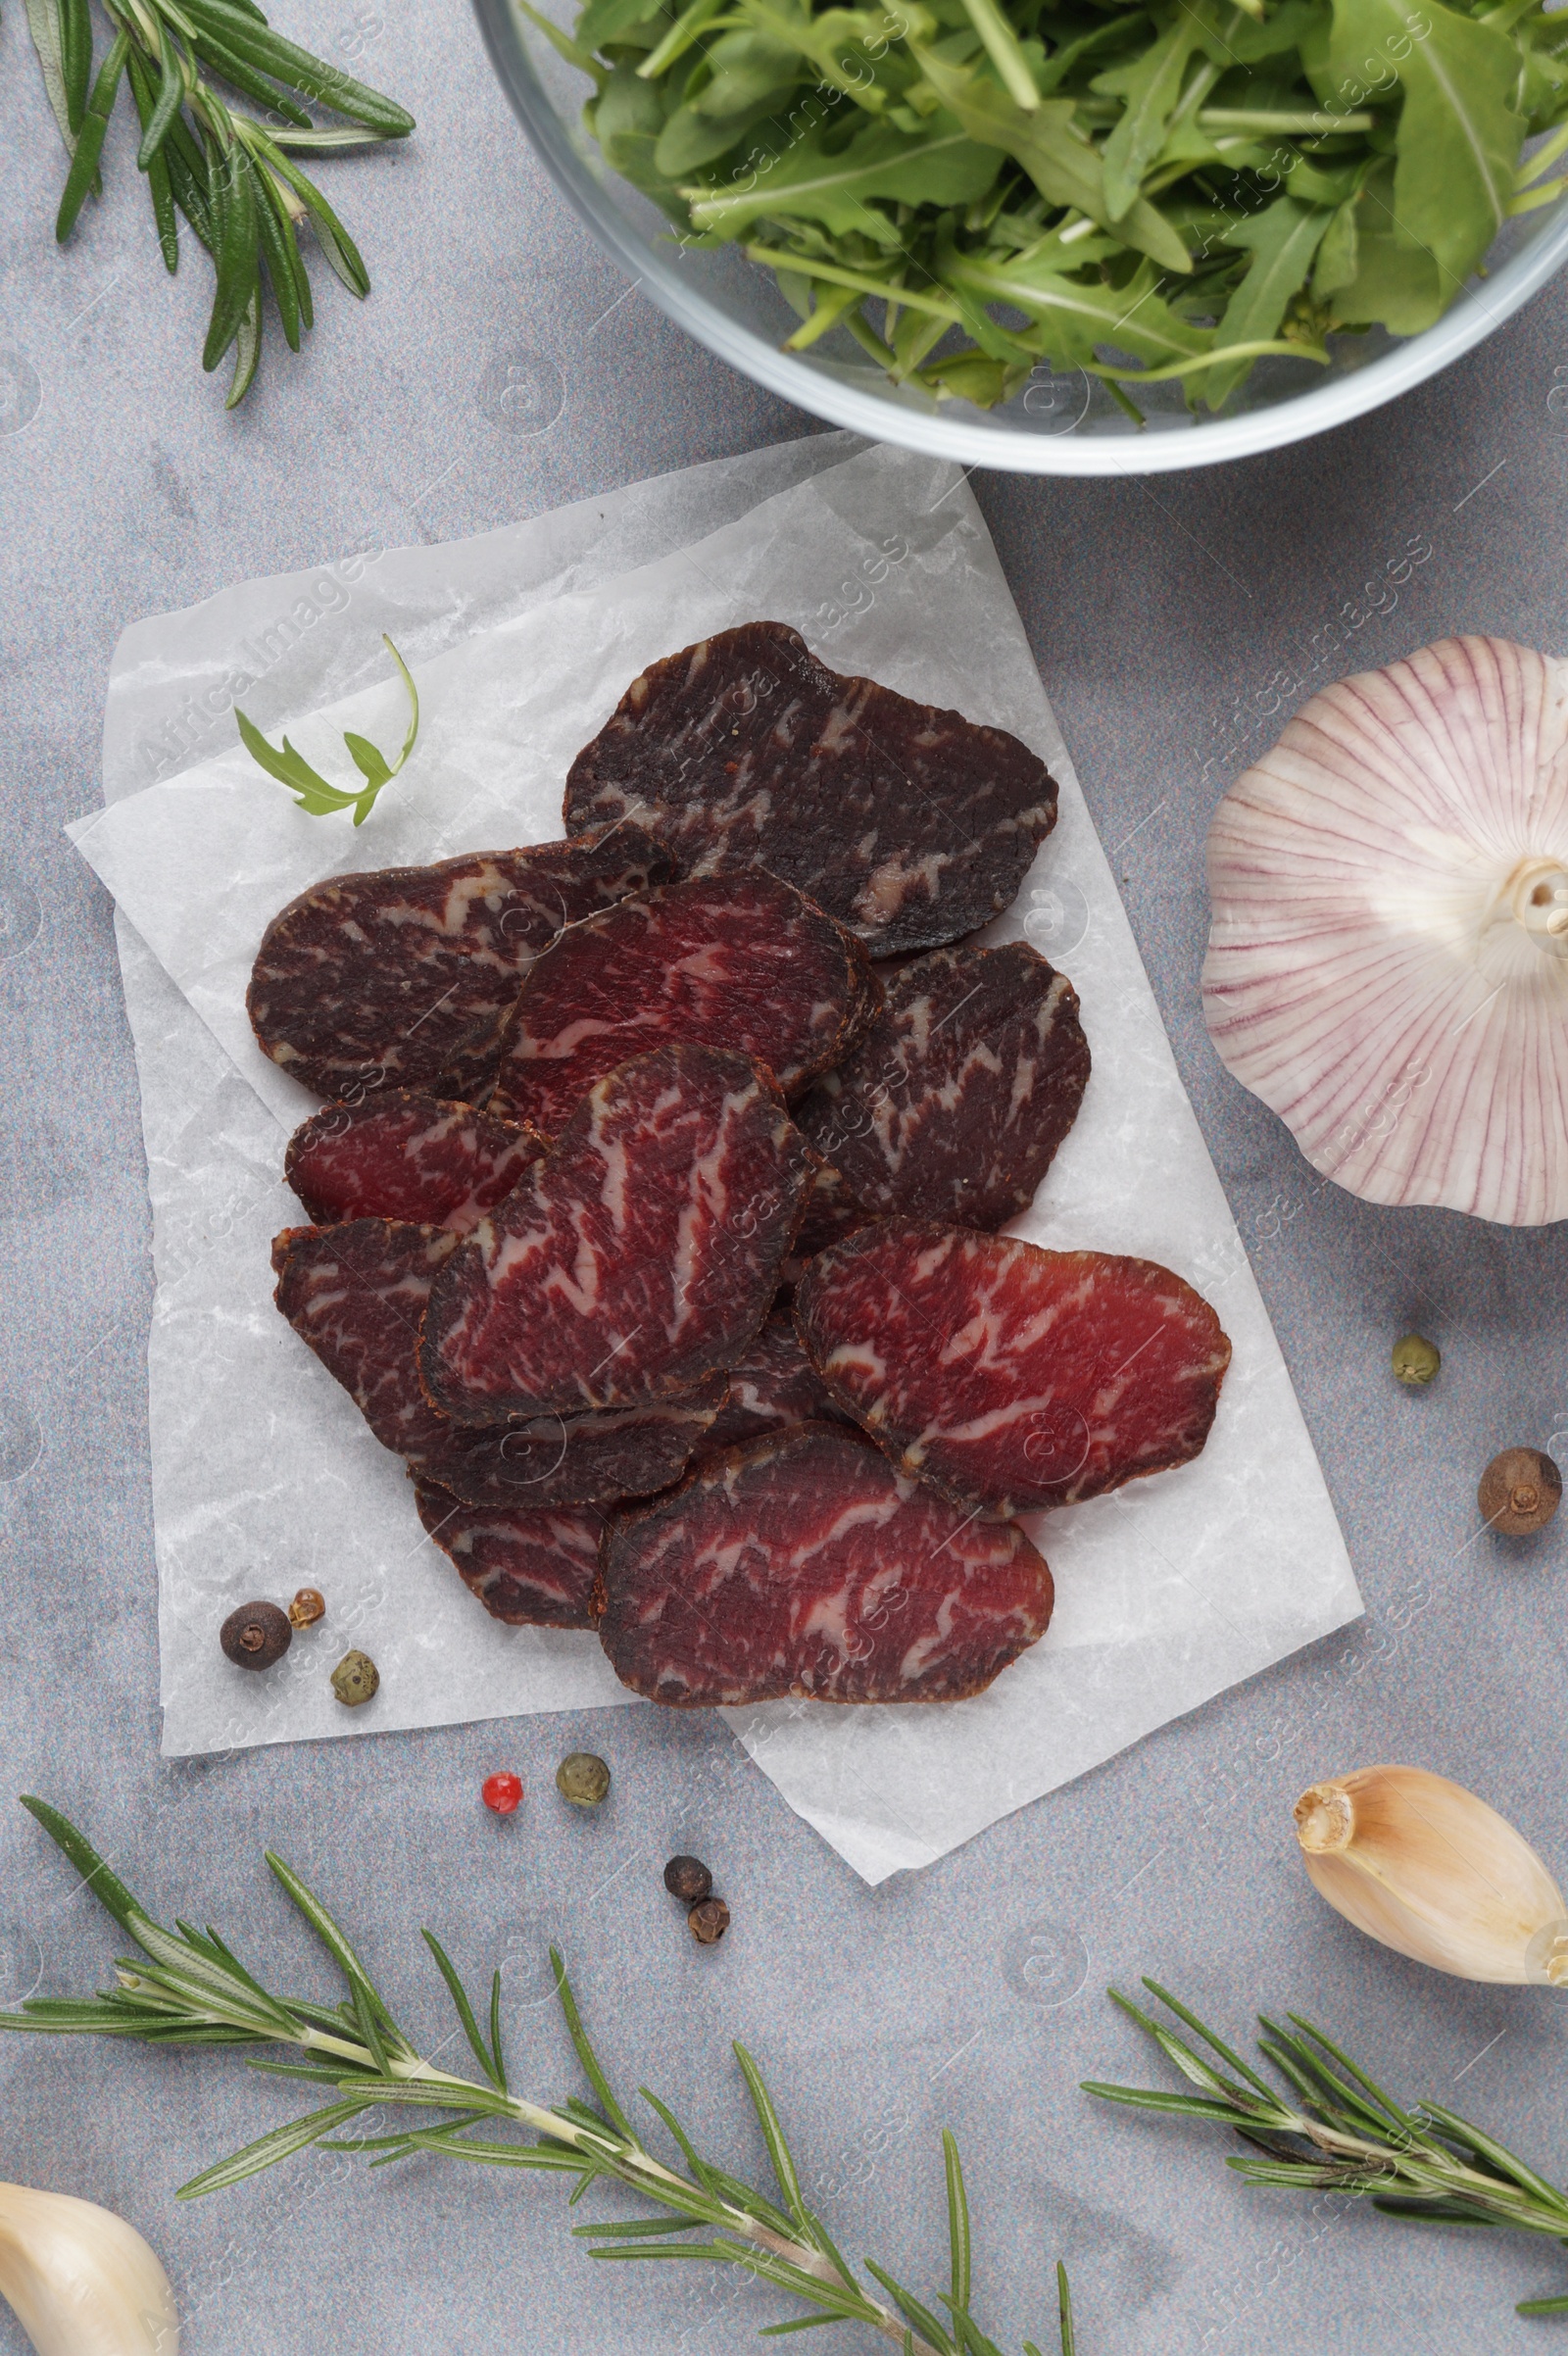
x=1170 y=621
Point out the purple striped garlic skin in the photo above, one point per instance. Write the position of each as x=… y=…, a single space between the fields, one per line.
x=1388 y=947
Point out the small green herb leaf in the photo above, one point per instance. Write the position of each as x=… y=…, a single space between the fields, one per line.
x=315 y=796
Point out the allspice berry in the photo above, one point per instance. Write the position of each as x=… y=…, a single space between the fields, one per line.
x=709 y=1922
x=583 y=1778
x=308 y=1606
x=1415 y=1361
x=688 y=1878
x=1520 y=1491
x=256 y=1635
x=355 y=1679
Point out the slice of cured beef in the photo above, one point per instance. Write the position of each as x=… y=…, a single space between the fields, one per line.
x=533 y=1568
x=638 y=1257
x=1009 y=1377
x=404 y=1156
x=807 y=1564
x=954 y=1103
x=739 y=962
x=401 y=977
x=771 y=1382
x=909 y=824
x=356 y=1293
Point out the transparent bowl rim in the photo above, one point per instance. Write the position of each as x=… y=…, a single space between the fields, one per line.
x=1476 y=314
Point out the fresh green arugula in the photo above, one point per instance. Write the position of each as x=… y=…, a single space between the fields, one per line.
x=974 y=189
x=227 y=171
x=315 y=796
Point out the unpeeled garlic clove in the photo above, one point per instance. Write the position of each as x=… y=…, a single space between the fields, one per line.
x=1429 y=1869
x=81 y=2281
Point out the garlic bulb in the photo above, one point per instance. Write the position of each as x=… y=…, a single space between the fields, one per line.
x=81 y=2281
x=1427 y=1868
x=1387 y=952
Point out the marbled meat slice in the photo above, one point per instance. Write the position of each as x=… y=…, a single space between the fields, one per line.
x=356 y=1293
x=636 y=1258
x=1009 y=1377
x=771 y=1382
x=831 y=1213
x=909 y=824
x=955 y=1103
x=401 y=977
x=594 y=1459
x=404 y=1156
x=807 y=1564
x=739 y=962
x=534 y=1568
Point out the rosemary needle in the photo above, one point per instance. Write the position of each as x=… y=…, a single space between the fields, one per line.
x=205 y=158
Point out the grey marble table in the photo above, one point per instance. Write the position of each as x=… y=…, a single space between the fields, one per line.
x=1172 y=621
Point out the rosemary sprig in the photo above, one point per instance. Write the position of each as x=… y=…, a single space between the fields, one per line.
x=1336 y=2130
x=310 y=789
x=204 y=157
x=188 y=1987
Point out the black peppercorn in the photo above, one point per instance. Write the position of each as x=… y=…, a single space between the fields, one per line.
x=688 y=1878
x=256 y=1635
x=1520 y=1491
x=709 y=1922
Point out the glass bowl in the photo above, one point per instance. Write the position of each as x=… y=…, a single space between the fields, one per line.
x=1059 y=424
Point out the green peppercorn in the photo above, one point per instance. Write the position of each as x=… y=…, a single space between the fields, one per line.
x=688 y=1878
x=709 y=1921
x=1415 y=1361
x=1520 y=1491
x=583 y=1778
x=355 y=1679
x=256 y=1635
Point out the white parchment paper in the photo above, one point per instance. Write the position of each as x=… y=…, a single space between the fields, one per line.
x=521 y=643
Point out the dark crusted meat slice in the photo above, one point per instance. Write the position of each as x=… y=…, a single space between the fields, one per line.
x=404 y=1156
x=581 y=1459
x=356 y=1293
x=954 y=1103
x=771 y=1382
x=909 y=824
x=638 y=1257
x=1009 y=1377
x=739 y=962
x=807 y=1564
x=402 y=978
x=533 y=1568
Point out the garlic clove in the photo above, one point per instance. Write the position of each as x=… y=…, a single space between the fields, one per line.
x=1428 y=1869
x=81 y=2281
x=1388 y=954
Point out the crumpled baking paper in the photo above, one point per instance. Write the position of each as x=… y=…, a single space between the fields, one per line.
x=522 y=642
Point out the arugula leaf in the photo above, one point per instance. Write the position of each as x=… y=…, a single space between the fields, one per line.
x=1151 y=85
x=944 y=166
x=1283 y=239
x=1077 y=320
x=1064 y=166
x=1458 y=136
x=315 y=796
x=1397 y=285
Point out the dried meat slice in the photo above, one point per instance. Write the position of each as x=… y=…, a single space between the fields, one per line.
x=535 y=1569
x=771 y=1382
x=403 y=977
x=638 y=1257
x=909 y=824
x=405 y=1156
x=741 y=961
x=963 y=1089
x=1009 y=1377
x=356 y=1293
x=578 y=1459
x=807 y=1564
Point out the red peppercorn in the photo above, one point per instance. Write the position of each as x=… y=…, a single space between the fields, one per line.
x=501 y=1794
